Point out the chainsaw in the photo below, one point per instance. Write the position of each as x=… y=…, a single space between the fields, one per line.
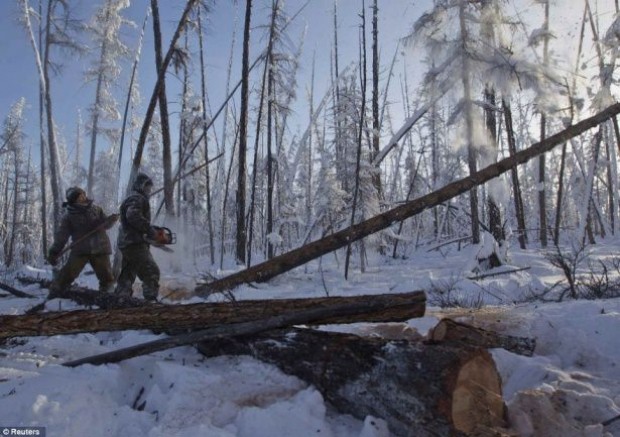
x=161 y=237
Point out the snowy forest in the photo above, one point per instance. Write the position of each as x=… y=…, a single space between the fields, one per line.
x=423 y=146
x=251 y=176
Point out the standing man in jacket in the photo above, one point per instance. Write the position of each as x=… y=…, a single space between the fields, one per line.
x=135 y=226
x=86 y=224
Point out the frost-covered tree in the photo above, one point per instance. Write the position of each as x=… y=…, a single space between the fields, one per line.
x=12 y=137
x=60 y=31
x=479 y=56
x=104 y=71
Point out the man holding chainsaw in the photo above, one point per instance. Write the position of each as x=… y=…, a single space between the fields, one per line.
x=86 y=224
x=136 y=234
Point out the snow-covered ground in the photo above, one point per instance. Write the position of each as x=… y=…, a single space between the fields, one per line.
x=570 y=387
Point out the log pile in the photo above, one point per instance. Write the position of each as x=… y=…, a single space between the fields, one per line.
x=419 y=389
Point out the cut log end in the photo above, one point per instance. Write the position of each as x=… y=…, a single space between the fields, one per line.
x=418 y=389
x=475 y=399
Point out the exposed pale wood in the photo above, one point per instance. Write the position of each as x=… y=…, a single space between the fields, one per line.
x=265 y=271
x=450 y=331
x=376 y=308
x=419 y=389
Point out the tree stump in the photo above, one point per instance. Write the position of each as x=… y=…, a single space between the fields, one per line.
x=448 y=330
x=419 y=389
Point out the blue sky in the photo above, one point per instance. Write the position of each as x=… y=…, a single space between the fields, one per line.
x=18 y=74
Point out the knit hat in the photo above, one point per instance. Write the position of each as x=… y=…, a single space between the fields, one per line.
x=142 y=180
x=73 y=193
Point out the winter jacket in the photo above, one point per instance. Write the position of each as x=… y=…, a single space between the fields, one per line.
x=78 y=220
x=135 y=217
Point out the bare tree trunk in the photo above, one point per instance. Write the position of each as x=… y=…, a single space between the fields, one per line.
x=42 y=149
x=148 y=117
x=287 y=261
x=340 y=156
x=360 y=131
x=542 y=206
x=558 y=211
x=516 y=186
x=471 y=152
x=203 y=89
x=310 y=141
x=257 y=139
x=96 y=113
x=14 y=224
x=163 y=113
x=241 y=234
x=376 y=126
x=225 y=202
x=270 y=121
x=127 y=102
x=51 y=132
x=495 y=217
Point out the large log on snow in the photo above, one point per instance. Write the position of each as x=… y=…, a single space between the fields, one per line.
x=419 y=389
x=265 y=271
x=372 y=308
x=448 y=330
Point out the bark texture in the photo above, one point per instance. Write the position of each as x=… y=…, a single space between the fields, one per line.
x=419 y=389
x=450 y=331
x=159 y=317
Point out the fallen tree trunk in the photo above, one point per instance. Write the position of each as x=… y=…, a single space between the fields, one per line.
x=15 y=292
x=84 y=296
x=420 y=390
x=307 y=316
x=376 y=308
x=450 y=331
x=265 y=271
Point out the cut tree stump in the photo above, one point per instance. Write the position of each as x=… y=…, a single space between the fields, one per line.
x=450 y=331
x=418 y=389
x=373 y=308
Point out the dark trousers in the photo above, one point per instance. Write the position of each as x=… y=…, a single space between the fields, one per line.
x=138 y=261
x=74 y=266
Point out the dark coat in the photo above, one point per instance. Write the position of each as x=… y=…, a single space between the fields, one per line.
x=135 y=219
x=78 y=220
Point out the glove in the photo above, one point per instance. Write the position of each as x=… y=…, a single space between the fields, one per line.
x=151 y=234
